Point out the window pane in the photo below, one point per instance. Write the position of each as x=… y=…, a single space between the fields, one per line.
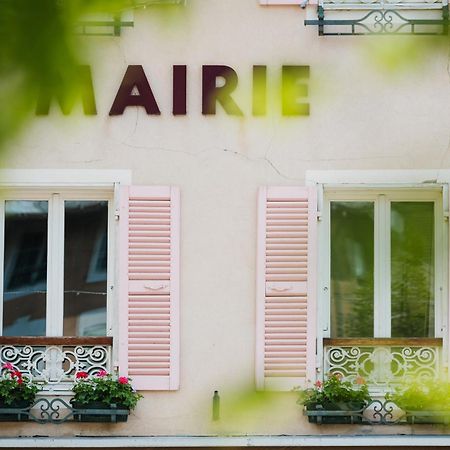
x=412 y=269
x=25 y=271
x=85 y=264
x=352 y=266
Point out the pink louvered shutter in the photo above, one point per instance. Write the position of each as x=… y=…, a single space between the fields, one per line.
x=149 y=286
x=286 y=285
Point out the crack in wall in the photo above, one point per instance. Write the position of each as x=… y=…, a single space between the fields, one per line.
x=265 y=159
x=209 y=150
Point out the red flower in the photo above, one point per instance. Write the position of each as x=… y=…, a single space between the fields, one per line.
x=123 y=380
x=81 y=375
x=318 y=384
x=102 y=373
x=19 y=381
x=8 y=366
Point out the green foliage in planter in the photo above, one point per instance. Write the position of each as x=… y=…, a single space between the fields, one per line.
x=15 y=388
x=426 y=395
x=104 y=388
x=334 y=393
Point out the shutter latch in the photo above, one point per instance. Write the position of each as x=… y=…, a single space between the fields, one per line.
x=117 y=215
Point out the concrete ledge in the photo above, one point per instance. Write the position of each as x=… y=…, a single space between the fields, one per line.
x=226 y=441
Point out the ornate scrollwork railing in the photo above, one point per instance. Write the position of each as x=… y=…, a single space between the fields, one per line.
x=54 y=360
x=383 y=363
x=383 y=4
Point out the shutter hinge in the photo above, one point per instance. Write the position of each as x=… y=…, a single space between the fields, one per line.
x=117 y=215
x=446 y=215
x=319 y=216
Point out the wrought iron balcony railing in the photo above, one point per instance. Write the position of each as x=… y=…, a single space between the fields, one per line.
x=56 y=360
x=381 y=17
x=384 y=4
x=384 y=363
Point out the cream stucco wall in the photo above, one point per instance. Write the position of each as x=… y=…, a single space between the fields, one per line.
x=361 y=118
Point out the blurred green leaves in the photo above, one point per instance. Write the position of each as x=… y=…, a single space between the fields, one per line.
x=39 y=49
x=422 y=395
x=398 y=54
x=245 y=410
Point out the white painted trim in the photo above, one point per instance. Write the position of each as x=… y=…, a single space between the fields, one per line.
x=55 y=266
x=382 y=300
x=58 y=177
x=114 y=275
x=364 y=177
x=227 y=441
x=111 y=256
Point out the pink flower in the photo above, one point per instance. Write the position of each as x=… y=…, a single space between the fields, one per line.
x=81 y=375
x=338 y=376
x=360 y=380
x=123 y=380
x=102 y=373
x=8 y=366
x=318 y=384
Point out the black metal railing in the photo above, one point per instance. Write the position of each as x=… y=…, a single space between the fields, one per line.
x=58 y=411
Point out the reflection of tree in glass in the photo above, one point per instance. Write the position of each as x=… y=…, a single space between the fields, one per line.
x=352 y=268
x=412 y=269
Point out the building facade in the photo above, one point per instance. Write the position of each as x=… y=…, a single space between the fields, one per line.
x=239 y=203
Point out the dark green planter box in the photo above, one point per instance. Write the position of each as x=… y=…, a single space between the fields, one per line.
x=428 y=417
x=104 y=413
x=13 y=417
x=355 y=418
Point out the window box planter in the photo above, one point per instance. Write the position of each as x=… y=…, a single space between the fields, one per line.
x=99 y=412
x=102 y=397
x=16 y=412
x=329 y=413
x=335 y=401
x=428 y=417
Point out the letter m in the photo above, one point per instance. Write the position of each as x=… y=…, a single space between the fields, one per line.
x=66 y=97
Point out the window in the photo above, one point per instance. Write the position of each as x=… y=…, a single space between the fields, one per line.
x=384 y=262
x=56 y=269
x=61 y=303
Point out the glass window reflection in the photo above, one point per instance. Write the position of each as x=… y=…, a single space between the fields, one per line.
x=352 y=269
x=85 y=268
x=25 y=268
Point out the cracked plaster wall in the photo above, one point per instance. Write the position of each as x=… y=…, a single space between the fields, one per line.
x=361 y=118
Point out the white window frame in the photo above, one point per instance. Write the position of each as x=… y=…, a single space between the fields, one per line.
x=378 y=179
x=382 y=262
x=57 y=186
